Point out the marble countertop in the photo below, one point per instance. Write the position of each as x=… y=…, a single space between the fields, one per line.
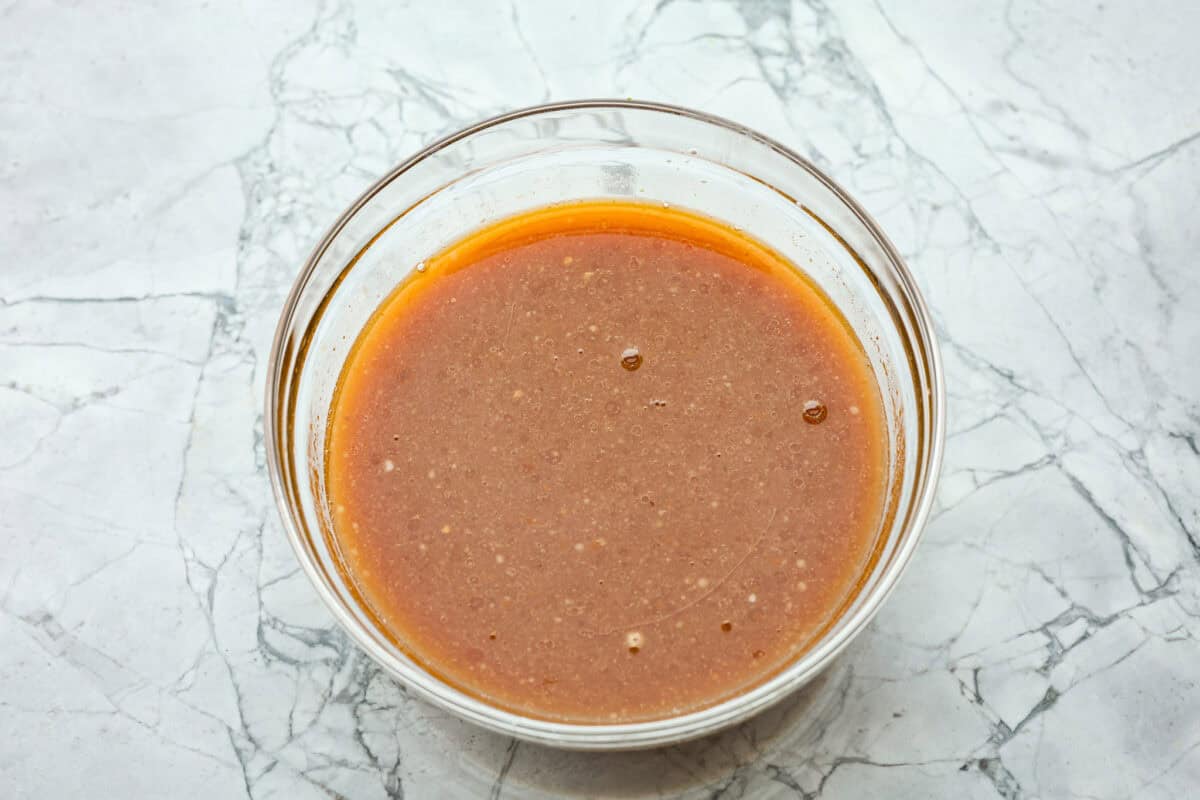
x=165 y=169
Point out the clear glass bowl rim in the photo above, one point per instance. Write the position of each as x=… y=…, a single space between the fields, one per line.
x=640 y=734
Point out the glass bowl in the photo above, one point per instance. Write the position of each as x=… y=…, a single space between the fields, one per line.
x=589 y=150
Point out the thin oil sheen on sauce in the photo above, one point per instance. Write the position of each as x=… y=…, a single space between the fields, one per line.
x=606 y=462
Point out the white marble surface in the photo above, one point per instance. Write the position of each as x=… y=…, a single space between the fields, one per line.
x=164 y=169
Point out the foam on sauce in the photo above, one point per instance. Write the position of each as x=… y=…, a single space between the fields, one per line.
x=606 y=462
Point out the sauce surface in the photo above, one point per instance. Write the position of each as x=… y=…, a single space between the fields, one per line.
x=606 y=462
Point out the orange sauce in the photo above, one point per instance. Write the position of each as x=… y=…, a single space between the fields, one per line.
x=606 y=462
